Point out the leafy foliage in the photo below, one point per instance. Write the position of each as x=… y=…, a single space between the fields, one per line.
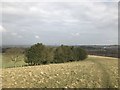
x=41 y=54
x=38 y=54
x=63 y=54
x=79 y=54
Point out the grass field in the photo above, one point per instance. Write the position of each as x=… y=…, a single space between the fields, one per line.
x=8 y=63
x=94 y=72
x=0 y=71
x=0 y=60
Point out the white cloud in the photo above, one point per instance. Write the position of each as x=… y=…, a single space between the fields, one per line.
x=20 y=36
x=50 y=19
x=33 y=9
x=2 y=29
x=75 y=34
x=14 y=33
x=37 y=37
x=23 y=30
x=60 y=1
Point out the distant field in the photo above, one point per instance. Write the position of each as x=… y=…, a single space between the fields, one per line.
x=94 y=72
x=7 y=63
x=0 y=60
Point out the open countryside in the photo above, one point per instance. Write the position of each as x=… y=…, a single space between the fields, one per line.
x=59 y=44
x=94 y=72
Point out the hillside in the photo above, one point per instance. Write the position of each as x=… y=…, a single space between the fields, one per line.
x=94 y=72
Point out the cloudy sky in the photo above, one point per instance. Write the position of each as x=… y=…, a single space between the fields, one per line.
x=54 y=23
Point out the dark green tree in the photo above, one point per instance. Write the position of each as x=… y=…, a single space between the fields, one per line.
x=41 y=54
x=38 y=54
x=79 y=54
x=63 y=54
x=59 y=55
x=49 y=55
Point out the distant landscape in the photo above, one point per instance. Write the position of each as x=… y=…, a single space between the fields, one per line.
x=100 y=50
x=76 y=74
x=59 y=44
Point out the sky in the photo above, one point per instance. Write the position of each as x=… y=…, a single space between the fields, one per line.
x=55 y=23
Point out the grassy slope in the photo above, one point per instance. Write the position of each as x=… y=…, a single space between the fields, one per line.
x=94 y=72
x=0 y=60
x=7 y=63
x=0 y=70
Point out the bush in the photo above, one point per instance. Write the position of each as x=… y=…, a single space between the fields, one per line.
x=69 y=53
x=59 y=55
x=40 y=54
x=79 y=54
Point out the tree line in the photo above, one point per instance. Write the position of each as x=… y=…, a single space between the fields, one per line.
x=41 y=54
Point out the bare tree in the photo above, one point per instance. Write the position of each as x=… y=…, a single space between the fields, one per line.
x=15 y=54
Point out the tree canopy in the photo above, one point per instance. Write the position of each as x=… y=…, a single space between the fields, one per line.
x=41 y=54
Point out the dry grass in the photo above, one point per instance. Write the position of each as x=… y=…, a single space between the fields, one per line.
x=94 y=72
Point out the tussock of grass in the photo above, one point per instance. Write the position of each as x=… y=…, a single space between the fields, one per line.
x=93 y=72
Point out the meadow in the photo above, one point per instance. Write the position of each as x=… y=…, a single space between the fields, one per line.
x=0 y=60
x=8 y=63
x=94 y=72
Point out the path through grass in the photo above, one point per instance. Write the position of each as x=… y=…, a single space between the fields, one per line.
x=94 y=72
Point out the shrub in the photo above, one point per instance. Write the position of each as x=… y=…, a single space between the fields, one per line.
x=64 y=54
x=38 y=54
x=59 y=55
x=79 y=54
x=41 y=54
